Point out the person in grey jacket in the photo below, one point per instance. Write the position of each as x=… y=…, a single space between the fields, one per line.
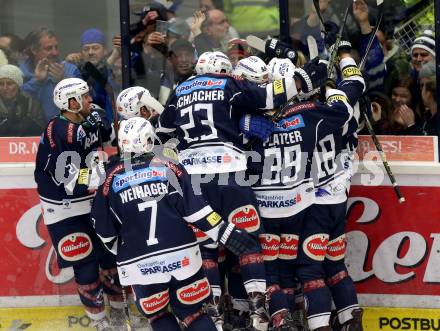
x=20 y=114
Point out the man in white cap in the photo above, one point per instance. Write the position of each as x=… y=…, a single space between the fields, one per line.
x=423 y=50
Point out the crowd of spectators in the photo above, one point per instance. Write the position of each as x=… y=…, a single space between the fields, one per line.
x=165 y=47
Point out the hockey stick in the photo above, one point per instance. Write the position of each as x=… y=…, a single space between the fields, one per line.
x=334 y=53
x=97 y=76
x=313 y=47
x=257 y=43
x=370 y=129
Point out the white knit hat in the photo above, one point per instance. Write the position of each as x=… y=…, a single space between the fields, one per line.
x=12 y=72
x=426 y=41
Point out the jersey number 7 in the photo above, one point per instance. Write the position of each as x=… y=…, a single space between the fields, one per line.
x=152 y=240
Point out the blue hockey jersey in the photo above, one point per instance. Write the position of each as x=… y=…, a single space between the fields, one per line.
x=302 y=148
x=64 y=166
x=332 y=161
x=143 y=214
x=204 y=112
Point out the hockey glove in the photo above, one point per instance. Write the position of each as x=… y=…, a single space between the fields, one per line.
x=312 y=75
x=239 y=242
x=276 y=48
x=256 y=126
x=94 y=119
x=331 y=31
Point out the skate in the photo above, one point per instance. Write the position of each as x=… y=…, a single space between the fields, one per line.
x=300 y=320
x=258 y=314
x=282 y=321
x=355 y=324
x=214 y=310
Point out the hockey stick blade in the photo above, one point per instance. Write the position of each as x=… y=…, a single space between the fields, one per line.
x=257 y=43
x=313 y=47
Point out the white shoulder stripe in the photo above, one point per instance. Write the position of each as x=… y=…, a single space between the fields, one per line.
x=198 y=215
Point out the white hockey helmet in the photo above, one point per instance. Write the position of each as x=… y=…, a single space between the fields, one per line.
x=130 y=101
x=253 y=69
x=136 y=135
x=67 y=89
x=280 y=68
x=218 y=63
x=202 y=62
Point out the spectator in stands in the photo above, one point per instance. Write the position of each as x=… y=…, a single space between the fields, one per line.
x=375 y=70
x=422 y=51
x=14 y=44
x=93 y=50
x=20 y=114
x=404 y=118
x=214 y=29
x=42 y=69
x=428 y=85
x=149 y=48
x=178 y=29
x=182 y=58
x=199 y=16
x=150 y=63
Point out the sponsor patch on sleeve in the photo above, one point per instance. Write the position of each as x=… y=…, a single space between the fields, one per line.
x=83 y=177
x=213 y=218
x=351 y=71
x=278 y=87
x=337 y=97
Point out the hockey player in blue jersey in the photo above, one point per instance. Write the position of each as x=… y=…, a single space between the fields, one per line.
x=323 y=271
x=203 y=113
x=142 y=213
x=66 y=175
x=285 y=191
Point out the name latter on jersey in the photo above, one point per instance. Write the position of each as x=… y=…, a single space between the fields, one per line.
x=142 y=183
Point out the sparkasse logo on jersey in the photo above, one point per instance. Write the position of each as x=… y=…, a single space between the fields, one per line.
x=203 y=83
x=160 y=267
